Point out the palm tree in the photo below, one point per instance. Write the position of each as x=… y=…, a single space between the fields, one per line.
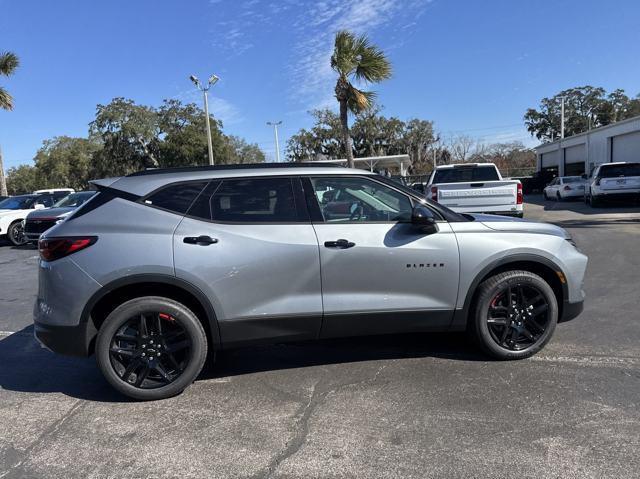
x=356 y=58
x=8 y=63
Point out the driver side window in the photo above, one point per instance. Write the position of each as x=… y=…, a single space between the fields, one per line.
x=355 y=199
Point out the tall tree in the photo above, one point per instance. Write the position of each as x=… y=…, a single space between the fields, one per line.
x=8 y=64
x=586 y=107
x=65 y=161
x=355 y=58
x=129 y=134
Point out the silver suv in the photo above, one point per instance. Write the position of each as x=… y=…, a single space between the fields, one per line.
x=163 y=266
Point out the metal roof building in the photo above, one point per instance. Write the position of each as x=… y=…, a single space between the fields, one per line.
x=581 y=153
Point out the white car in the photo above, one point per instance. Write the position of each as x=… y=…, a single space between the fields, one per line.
x=564 y=188
x=14 y=210
x=613 y=181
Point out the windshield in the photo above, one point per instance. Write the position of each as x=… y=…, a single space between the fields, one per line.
x=74 y=199
x=17 y=203
x=466 y=174
x=613 y=171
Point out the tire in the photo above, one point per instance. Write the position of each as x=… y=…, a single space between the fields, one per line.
x=15 y=234
x=594 y=202
x=176 y=368
x=558 y=197
x=486 y=329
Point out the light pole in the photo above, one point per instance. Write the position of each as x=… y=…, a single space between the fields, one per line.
x=205 y=89
x=562 y=119
x=275 y=125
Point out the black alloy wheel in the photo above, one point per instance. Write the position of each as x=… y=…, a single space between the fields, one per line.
x=150 y=350
x=518 y=317
x=516 y=313
x=16 y=234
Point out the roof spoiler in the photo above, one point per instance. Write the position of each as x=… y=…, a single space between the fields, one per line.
x=102 y=183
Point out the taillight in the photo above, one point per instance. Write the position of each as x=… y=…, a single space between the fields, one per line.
x=567 y=188
x=434 y=193
x=519 y=194
x=52 y=249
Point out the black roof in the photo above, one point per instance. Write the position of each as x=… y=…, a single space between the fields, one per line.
x=246 y=166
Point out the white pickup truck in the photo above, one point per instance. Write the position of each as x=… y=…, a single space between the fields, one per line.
x=475 y=188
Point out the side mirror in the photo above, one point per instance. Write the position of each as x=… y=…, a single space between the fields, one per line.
x=422 y=218
x=39 y=206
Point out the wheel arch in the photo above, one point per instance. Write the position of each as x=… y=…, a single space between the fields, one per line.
x=117 y=292
x=543 y=267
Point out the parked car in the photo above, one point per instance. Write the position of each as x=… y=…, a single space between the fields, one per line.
x=39 y=221
x=564 y=187
x=162 y=266
x=14 y=210
x=57 y=192
x=475 y=188
x=611 y=181
x=536 y=182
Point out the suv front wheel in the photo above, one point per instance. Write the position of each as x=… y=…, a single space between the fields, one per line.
x=516 y=314
x=151 y=348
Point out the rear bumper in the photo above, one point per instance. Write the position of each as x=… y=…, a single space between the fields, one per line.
x=571 y=310
x=613 y=195
x=68 y=340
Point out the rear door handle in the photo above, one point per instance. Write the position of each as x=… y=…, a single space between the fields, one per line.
x=201 y=240
x=339 y=244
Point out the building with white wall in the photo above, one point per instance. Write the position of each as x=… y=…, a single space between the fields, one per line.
x=579 y=154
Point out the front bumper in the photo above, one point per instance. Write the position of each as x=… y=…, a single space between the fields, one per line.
x=571 y=310
x=68 y=340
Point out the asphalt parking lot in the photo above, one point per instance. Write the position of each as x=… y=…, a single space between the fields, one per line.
x=403 y=406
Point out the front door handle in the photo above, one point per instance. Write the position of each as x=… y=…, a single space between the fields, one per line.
x=339 y=244
x=201 y=240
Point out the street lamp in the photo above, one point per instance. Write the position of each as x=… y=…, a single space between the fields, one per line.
x=205 y=89
x=275 y=125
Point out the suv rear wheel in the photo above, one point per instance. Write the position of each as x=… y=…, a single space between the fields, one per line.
x=516 y=314
x=151 y=348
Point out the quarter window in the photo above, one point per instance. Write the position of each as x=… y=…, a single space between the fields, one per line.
x=351 y=199
x=177 y=197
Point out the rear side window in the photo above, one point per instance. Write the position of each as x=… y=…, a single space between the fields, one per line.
x=465 y=174
x=614 y=171
x=176 y=198
x=250 y=200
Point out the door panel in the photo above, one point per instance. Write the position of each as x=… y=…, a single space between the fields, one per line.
x=379 y=272
x=391 y=267
x=263 y=279
x=246 y=244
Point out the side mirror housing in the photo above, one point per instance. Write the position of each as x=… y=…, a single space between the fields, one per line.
x=422 y=218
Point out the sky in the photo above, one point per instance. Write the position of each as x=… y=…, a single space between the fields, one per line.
x=472 y=67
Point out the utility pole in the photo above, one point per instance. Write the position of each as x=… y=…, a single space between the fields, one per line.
x=275 y=125
x=3 y=180
x=213 y=79
x=562 y=120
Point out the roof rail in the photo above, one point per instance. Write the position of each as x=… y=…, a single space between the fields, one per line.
x=246 y=166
